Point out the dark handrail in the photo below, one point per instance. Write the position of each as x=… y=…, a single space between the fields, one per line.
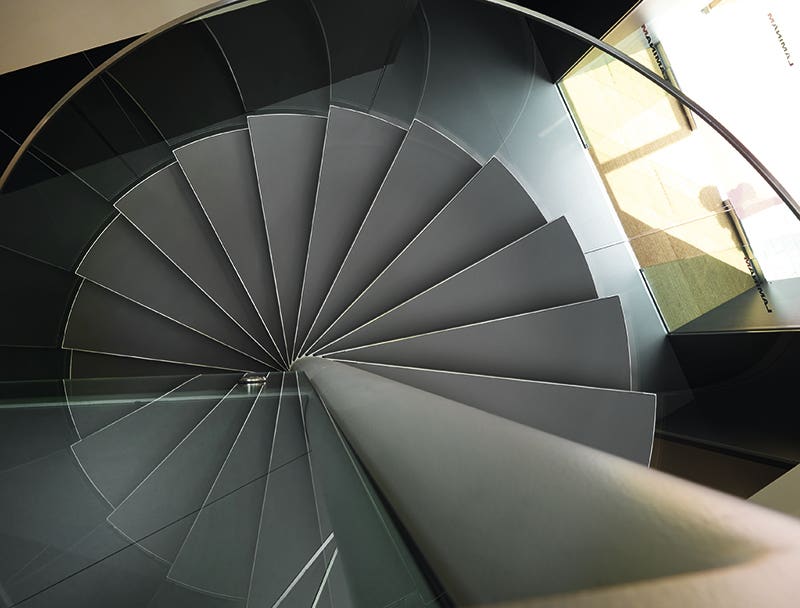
x=780 y=190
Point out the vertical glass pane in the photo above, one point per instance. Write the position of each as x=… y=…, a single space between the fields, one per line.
x=277 y=53
x=182 y=82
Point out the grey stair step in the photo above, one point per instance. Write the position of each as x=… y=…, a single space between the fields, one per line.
x=491 y=211
x=357 y=154
x=158 y=514
x=427 y=172
x=288 y=152
x=584 y=343
x=217 y=555
x=96 y=403
x=543 y=269
x=101 y=321
x=618 y=422
x=166 y=210
x=124 y=261
x=288 y=538
x=99 y=365
x=221 y=171
x=117 y=458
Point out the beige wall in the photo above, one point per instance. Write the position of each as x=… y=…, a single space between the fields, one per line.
x=33 y=31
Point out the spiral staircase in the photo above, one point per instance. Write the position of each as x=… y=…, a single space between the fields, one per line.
x=277 y=322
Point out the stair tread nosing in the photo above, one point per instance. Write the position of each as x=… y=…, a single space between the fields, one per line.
x=584 y=343
x=357 y=153
x=543 y=269
x=492 y=210
x=427 y=172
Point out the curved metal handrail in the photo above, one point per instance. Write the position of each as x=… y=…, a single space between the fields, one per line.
x=123 y=52
x=667 y=86
x=660 y=82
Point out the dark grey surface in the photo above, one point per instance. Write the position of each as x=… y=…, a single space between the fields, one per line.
x=403 y=81
x=372 y=567
x=491 y=211
x=504 y=512
x=617 y=422
x=98 y=365
x=481 y=67
x=124 y=261
x=288 y=534
x=57 y=564
x=166 y=210
x=36 y=297
x=428 y=171
x=96 y=403
x=583 y=343
x=101 y=321
x=103 y=573
x=288 y=152
x=120 y=456
x=170 y=595
x=221 y=171
x=33 y=532
x=53 y=220
x=158 y=513
x=32 y=426
x=748 y=311
x=217 y=555
x=358 y=152
x=543 y=269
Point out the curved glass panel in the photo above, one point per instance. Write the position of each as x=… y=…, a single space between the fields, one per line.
x=276 y=51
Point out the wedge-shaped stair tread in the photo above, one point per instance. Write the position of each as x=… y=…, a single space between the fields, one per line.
x=584 y=343
x=288 y=538
x=221 y=171
x=491 y=211
x=357 y=154
x=543 y=269
x=288 y=152
x=96 y=403
x=117 y=458
x=101 y=321
x=427 y=172
x=124 y=261
x=157 y=515
x=618 y=422
x=217 y=555
x=166 y=210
